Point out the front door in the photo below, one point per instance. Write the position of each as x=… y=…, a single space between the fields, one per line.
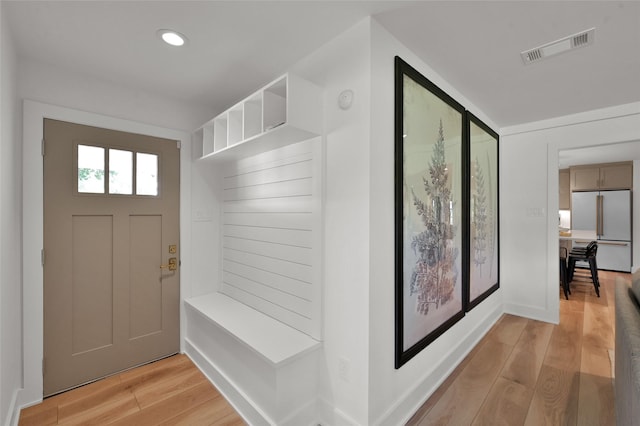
x=111 y=229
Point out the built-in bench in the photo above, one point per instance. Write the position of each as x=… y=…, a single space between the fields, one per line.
x=265 y=368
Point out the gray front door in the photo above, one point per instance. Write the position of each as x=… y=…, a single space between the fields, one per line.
x=111 y=228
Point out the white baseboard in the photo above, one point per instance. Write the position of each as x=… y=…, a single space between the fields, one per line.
x=13 y=413
x=238 y=399
x=531 y=313
x=331 y=416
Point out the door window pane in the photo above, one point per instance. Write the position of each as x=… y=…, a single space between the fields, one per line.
x=120 y=172
x=90 y=169
x=146 y=174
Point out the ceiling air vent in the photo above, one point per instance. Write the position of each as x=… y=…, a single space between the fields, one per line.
x=533 y=55
x=582 y=39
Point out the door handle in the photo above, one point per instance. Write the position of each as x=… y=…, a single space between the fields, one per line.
x=602 y=215
x=172 y=265
x=599 y=219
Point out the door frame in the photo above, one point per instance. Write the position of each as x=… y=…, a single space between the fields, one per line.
x=34 y=114
x=581 y=130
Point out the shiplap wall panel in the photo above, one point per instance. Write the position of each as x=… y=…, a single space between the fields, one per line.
x=278 y=157
x=268 y=249
x=267 y=307
x=284 y=300
x=299 y=204
x=290 y=188
x=270 y=264
x=299 y=221
x=286 y=172
x=290 y=237
x=271 y=222
x=285 y=284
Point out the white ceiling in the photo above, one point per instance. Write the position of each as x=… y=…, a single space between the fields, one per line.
x=611 y=153
x=476 y=47
x=236 y=47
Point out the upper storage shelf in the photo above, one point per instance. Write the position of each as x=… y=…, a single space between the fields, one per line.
x=286 y=111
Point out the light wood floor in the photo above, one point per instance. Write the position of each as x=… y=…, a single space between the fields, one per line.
x=527 y=372
x=171 y=391
x=523 y=372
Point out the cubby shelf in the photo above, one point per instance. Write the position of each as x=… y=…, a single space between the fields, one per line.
x=284 y=112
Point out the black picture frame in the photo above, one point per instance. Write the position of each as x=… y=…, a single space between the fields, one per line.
x=482 y=265
x=430 y=166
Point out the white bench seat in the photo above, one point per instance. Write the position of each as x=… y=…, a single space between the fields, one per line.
x=267 y=369
x=268 y=337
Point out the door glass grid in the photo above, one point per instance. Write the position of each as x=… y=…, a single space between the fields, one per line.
x=121 y=166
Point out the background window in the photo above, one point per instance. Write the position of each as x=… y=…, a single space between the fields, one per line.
x=146 y=174
x=90 y=169
x=120 y=172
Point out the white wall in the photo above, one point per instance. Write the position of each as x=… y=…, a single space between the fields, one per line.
x=10 y=238
x=529 y=177
x=206 y=235
x=48 y=84
x=523 y=178
x=343 y=64
x=395 y=394
x=358 y=382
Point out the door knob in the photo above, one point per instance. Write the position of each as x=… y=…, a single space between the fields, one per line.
x=172 y=265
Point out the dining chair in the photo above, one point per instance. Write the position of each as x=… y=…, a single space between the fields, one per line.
x=587 y=254
x=564 y=273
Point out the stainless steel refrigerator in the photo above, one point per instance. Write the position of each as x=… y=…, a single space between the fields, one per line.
x=609 y=214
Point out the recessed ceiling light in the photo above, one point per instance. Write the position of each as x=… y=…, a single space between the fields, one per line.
x=171 y=37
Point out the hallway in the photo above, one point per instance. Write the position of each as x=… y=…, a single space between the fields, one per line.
x=527 y=372
x=523 y=372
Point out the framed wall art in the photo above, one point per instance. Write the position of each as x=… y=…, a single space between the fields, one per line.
x=429 y=174
x=483 y=248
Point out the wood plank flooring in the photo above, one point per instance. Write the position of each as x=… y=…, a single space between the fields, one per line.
x=527 y=372
x=171 y=391
x=523 y=372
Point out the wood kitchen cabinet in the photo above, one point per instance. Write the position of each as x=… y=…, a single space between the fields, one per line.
x=596 y=177
x=564 y=185
x=616 y=176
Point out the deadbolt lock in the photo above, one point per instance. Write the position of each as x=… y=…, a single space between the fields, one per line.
x=172 y=265
x=173 y=249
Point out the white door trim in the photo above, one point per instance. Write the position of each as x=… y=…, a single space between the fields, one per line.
x=34 y=114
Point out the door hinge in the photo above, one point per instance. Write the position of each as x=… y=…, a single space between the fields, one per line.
x=42 y=256
x=179 y=144
x=42 y=147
